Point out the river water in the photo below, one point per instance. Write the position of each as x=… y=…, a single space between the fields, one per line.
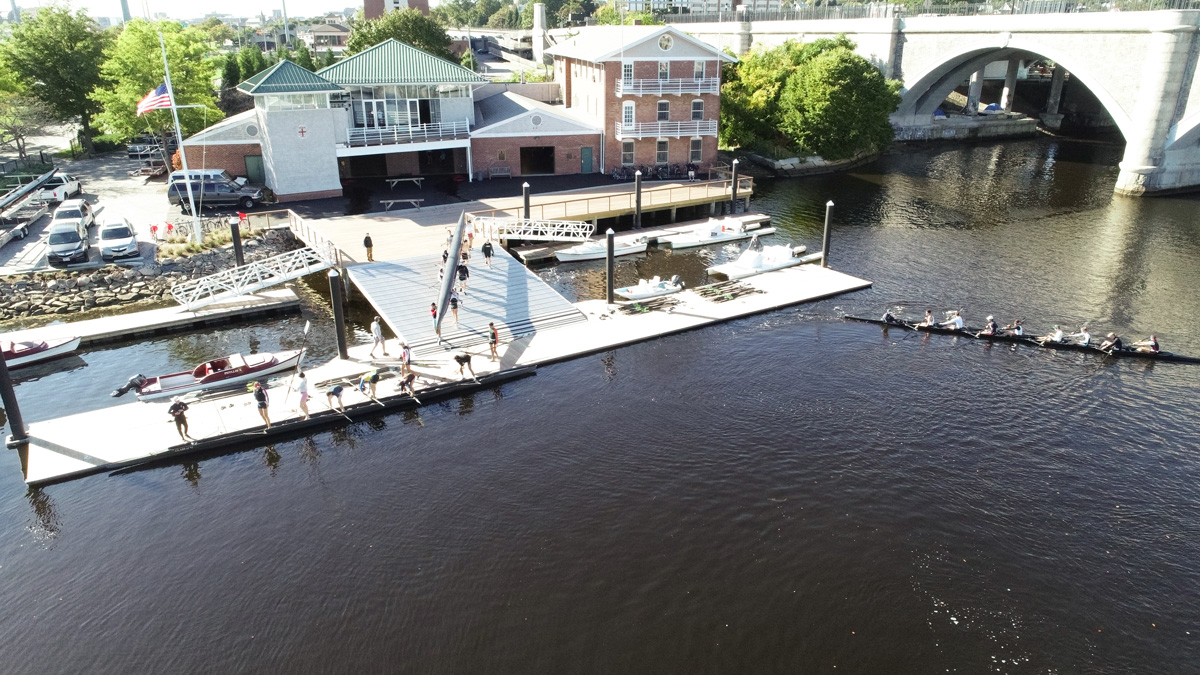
x=788 y=493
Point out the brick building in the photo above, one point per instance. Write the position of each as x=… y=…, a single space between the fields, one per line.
x=654 y=90
x=373 y=9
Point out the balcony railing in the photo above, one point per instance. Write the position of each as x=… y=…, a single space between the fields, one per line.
x=676 y=129
x=702 y=85
x=419 y=133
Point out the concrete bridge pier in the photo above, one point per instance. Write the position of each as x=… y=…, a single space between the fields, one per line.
x=1010 y=85
x=974 y=91
x=1052 y=118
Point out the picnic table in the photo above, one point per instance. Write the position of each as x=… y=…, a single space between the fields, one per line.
x=412 y=179
x=387 y=203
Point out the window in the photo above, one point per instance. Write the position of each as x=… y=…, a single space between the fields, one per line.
x=664 y=43
x=664 y=111
x=698 y=70
x=627 y=153
x=500 y=157
x=660 y=154
x=627 y=71
x=627 y=113
x=664 y=70
x=697 y=109
x=694 y=153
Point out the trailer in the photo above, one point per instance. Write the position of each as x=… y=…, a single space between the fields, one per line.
x=15 y=222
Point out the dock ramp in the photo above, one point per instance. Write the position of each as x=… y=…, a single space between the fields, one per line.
x=493 y=227
x=249 y=278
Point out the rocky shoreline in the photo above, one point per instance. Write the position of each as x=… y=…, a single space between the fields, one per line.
x=62 y=293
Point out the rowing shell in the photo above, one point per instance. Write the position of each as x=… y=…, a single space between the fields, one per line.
x=1026 y=340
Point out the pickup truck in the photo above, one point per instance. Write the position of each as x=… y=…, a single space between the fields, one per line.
x=58 y=187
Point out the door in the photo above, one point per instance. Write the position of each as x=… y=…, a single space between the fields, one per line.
x=585 y=160
x=426 y=114
x=537 y=161
x=254 y=169
x=375 y=113
x=414 y=112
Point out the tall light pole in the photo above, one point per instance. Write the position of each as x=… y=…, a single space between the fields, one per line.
x=286 y=39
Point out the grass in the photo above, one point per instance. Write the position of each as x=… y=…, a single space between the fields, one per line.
x=178 y=246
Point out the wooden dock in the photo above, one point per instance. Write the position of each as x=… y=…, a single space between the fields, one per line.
x=123 y=327
x=70 y=446
x=535 y=253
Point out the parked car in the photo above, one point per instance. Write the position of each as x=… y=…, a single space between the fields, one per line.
x=213 y=194
x=58 y=187
x=74 y=211
x=204 y=174
x=68 y=243
x=117 y=237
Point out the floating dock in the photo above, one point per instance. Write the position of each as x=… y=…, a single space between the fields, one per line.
x=535 y=253
x=124 y=327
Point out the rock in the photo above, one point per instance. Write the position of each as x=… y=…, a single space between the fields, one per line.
x=130 y=274
x=83 y=281
x=19 y=306
x=62 y=310
x=127 y=297
x=150 y=271
x=252 y=243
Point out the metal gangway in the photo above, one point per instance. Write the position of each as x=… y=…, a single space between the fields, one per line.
x=248 y=278
x=498 y=227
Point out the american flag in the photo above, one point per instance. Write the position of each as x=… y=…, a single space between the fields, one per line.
x=154 y=100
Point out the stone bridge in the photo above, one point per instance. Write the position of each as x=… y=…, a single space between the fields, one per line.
x=1141 y=66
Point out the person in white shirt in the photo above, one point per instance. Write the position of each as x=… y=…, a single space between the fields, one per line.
x=1085 y=338
x=956 y=322
x=303 y=389
x=377 y=334
x=1056 y=336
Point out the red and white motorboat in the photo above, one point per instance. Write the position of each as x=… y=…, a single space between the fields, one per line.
x=17 y=354
x=230 y=370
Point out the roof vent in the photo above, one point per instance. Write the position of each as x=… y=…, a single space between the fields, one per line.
x=251 y=130
x=536 y=120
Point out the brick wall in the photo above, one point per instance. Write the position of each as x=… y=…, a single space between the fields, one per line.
x=228 y=157
x=485 y=152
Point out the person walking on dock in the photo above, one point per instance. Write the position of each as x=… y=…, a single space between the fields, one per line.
x=369 y=245
x=335 y=392
x=377 y=334
x=493 y=338
x=303 y=389
x=487 y=253
x=454 y=307
x=178 y=410
x=261 y=398
x=463 y=275
x=436 y=328
x=405 y=358
x=464 y=361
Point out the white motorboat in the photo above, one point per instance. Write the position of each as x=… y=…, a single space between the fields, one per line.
x=223 y=372
x=651 y=288
x=755 y=260
x=715 y=231
x=597 y=249
x=17 y=354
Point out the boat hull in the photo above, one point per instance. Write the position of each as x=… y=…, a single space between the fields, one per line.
x=681 y=241
x=732 y=270
x=186 y=383
x=566 y=255
x=645 y=293
x=53 y=350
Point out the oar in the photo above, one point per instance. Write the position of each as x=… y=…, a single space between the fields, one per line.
x=299 y=362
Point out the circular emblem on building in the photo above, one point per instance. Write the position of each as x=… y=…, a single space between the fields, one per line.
x=536 y=120
x=251 y=130
x=664 y=43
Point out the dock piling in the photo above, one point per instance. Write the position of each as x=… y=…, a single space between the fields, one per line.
x=637 y=199
x=235 y=232
x=825 y=238
x=733 y=202
x=339 y=312
x=525 y=194
x=20 y=435
x=609 y=264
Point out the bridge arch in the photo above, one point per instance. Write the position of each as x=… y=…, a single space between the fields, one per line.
x=925 y=92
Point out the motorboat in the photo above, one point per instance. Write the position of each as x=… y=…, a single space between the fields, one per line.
x=223 y=372
x=650 y=288
x=17 y=354
x=597 y=249
x=757 y=259
x=715 y=231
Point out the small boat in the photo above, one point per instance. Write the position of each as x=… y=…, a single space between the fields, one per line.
x=232 y=369
x=597 y=249
x=650 y=288
x=715 y=231
x=974 y=334
x=17 y=354
x=757 y=259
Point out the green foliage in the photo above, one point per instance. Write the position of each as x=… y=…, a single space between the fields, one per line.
x=817 y=97
x=284 y=54
x=328 y=59
x=838 y=105
x=304 y=58
x=133 y=68
x=231 y=101
x=63 y=53
x=608 y=15
x=482 y=11
x=251 y=61
x=215 y=31
x=506 y=17
x=22 y=117
x=231 y=74
x=526 y=19
x=468 y=61
x=409 y=26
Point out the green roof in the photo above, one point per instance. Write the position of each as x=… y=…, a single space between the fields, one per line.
x=393 y=62
x=286 y=77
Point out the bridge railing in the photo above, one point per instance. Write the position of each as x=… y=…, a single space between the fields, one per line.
x=889 y=11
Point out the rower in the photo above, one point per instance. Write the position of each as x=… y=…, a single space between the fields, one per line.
x=1149 y=345
x=1015 y=328
x=956 y=322
x=1111 y=344
x=990 y=327
x=1085 y=338
x=1056 y=336
x=888 y=317
x=928 y=320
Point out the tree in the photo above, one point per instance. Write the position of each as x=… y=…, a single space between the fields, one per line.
x=409 y=26
x=608 y=15
x=304 y=58
x=526 y=21
x=328 y=59
x=838 y=105
x=251 y=61
x=57 y=55
x=216 y=31
x=134 y=68
x=231 y=100
x=468 y=61
x=21 y=117
x=506 y=17
x=482 y=11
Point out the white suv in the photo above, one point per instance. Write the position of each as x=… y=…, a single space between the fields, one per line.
x=117 y=238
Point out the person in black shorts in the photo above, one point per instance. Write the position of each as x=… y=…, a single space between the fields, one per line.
x=178 y=410
x=370 y=380
x=335 y=392
x=260 y=397
x=493 y=338
x=463 y=275
x=464 y=361
x=487 y=253
x=406 y=384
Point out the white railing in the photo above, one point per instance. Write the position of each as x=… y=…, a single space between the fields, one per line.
x=532 y=230
x=676 y=129
x=691 y=85
x=255 y=276
x=419 y=133
x=314 y=239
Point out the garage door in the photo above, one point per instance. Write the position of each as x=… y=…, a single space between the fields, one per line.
x=538 y=160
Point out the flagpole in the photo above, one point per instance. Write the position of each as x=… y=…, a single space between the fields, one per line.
x=196 y=236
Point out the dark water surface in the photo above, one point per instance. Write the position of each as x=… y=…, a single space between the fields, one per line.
x=788 y=493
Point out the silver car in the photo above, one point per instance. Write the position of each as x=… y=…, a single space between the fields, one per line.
x=117 y=238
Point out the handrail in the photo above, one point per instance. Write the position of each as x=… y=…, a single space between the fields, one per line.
x=689 y=85
x=249 y=278
x=653 y=198
x=688 y=128
x=532 y=230
x=406 y=133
